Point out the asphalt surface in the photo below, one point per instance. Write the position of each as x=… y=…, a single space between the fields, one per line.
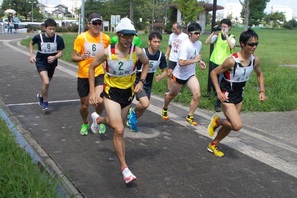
x=169 y=158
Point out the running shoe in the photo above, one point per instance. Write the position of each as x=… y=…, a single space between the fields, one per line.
x=191 y=121
x=84 y=129
x=45 y=106
x=213 y=125
x=217 y=109
x=164 y=114
x=128 y=176
x=102 y=128
x=95 y=126
x=40 y=100
x=132 y=119
x=215 y=150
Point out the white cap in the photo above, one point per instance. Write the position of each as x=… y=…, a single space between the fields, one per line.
x=125 y=27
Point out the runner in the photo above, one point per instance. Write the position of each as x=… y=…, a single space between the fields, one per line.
x=86 y=46
x=236 y=71
x=185 y=73
x=119 y=87
x=156 y=59
x=50 y=48
x=174 y=44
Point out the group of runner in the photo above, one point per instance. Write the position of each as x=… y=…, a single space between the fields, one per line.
x=111 y=74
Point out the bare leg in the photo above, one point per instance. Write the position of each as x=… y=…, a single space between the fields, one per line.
x=169 y=78
x=193 y=85
x=45 y=85
x=232 y=122
x=172 y=93
x=100 y=105
x=141 y=106
x=116 y=115
x=84 y=104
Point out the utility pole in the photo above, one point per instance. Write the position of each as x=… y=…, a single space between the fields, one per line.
x=82 y=16
x=213 y=22
x=131 y=10
x=32 y=10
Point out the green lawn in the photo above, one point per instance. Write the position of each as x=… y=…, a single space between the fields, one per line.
x=19 y=176
x=276 y=48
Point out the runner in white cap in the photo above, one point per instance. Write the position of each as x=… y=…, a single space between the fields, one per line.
x=119 y=89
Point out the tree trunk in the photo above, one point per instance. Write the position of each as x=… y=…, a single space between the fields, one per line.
x=246 y=14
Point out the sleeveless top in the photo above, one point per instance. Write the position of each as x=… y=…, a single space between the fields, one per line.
x=236 y=78
x=153 y=64
x=120 y=73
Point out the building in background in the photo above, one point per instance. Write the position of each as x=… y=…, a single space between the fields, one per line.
x=287 y=11
x=232 y=11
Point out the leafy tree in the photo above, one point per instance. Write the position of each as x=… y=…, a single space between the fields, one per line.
x=189 y=10
x=23 y=8
x=275 y=19
x=252 y=11
x=141 y=9
x=292 y=24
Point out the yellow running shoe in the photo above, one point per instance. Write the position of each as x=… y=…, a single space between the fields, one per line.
x=191 y=121
x=215 y=150
x=164 y=114
x=213 y=125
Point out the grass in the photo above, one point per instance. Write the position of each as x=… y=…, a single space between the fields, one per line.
x=19 y=176
x=276 y=48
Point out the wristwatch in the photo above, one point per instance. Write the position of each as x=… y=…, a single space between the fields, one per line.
x=142 y=80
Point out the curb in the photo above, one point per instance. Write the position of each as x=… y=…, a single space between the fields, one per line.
x=38 y=154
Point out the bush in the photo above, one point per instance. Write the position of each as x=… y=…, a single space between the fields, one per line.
x=72 y=28
x=292 y=24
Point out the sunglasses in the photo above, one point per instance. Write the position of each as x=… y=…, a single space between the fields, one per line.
x=127 y=36
x=195 y=32
x=96 y=22
x=252 y=44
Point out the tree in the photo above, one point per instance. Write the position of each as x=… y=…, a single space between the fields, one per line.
x=189 y=9
x=23 y=8
x=252 y=11
x=275 y=19
x=145 y=9
x=292 y=24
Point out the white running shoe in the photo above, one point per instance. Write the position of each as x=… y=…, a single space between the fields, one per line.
x=128 y=175
x=95 y=126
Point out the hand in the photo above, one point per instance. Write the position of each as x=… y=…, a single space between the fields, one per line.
x=262 y=96
x=158 y=77
x=32 y=59
x=93 y=100
x=51 y=59
x=138 y=88
x=85 y=56
x=225 y=32
x=202 y=65
x=222 y=97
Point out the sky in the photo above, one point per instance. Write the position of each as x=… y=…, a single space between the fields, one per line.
x=289 y=3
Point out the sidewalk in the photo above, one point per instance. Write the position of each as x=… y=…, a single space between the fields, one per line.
x=169 y=158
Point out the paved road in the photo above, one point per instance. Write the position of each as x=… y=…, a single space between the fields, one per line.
x=168 y=157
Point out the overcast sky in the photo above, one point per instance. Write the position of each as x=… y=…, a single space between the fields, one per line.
x=289 y=3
